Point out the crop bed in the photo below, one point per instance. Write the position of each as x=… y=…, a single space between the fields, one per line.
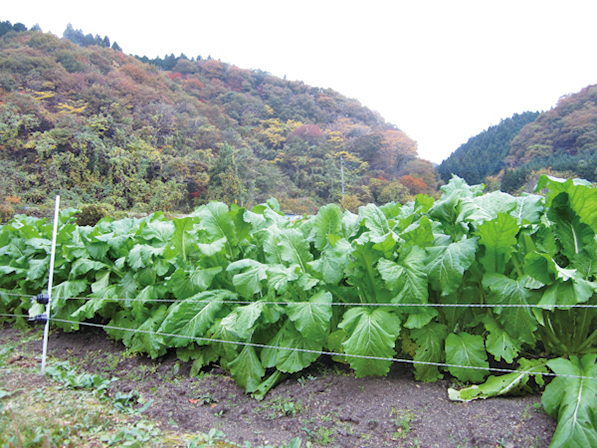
x=325 y=405
x=493 y=290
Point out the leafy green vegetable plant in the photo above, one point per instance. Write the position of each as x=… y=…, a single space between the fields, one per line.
x=456 y=285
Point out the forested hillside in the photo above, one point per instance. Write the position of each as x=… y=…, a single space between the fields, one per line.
x=512 y=155
x=483 y=155
x=569 y=128
x=100 y=127
x=562 y=140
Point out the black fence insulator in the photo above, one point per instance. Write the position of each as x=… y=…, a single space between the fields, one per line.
x=39 y=319
x=42 y=299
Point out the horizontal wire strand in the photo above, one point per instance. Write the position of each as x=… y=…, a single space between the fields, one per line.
x=13 y=315
x=248 y=302
x=14 y=294
x=321 y=352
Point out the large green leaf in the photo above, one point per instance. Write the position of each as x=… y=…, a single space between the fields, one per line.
x=446 y=264
x=242 y=227
x=194 y=316
x=312 y=318
x=158 y=230
x=407 y=279
x=243 y=320
x=128 y=286
x=582 y=197
x=38 y=268
x=295 y=351
x=528 y=209
x=93 y=305
x=142 y=255
x=361 y=273
x=182 y=239
x=83 y=265
x=499 y=342
x=279 y=276
x=459 y=185
x=271 y=247
x=540 y=266
x=66 y=290
x=572 y=234
x=568 y=293
x=517 y=320
x=248 y=282
x=586 y=262
x=332 y=262
x=102 y=281
x=295 y=248
x=142 y=305
x=350 y=225
x=246 y=369
x=372 y=334
x=326 y=222
x=486 y=207
x=510 y=383
x=467 y=350
x=145 y=340
x=97 y=249
x=202 y=278
x=430 y=349
x=499 y=238
x=571 y=398
x=375 y=220
x=218 y=223
x=419 y=316
x=256 y=220
x=181 y=285
x=386 y=244
x=215 y=247
x=419 y=233
x=447 y=212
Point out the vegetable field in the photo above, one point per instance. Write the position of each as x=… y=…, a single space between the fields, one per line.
x=495 y=290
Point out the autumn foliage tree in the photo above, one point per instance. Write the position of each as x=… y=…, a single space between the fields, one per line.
x=397 y=150
x=421 y=169
x=98 y=126
x=414 y=185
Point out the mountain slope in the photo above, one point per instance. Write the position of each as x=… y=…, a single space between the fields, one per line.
x=561 y=141
x=570 y=128
x=563 y=138
x=483 y=155
x=98 y=126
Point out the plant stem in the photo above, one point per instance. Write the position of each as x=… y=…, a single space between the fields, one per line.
x=549 y=338
x=517 y=266
x=581 y=333
x=587 y=343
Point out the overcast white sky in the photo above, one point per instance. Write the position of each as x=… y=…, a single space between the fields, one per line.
x=442 y=71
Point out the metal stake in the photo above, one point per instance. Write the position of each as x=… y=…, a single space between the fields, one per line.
x=50 y=278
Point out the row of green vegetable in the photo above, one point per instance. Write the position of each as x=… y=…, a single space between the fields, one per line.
x=247 y=288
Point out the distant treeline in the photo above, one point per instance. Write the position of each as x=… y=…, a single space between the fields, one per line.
x=85 y=40
x=7 y=27
x=168 y=63
x=484 y=154
x=76 y=36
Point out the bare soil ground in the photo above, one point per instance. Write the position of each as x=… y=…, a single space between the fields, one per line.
x=325 y=405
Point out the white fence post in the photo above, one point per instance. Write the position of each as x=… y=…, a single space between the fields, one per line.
x=50 y=278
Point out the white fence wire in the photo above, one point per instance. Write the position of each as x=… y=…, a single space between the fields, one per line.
x=318 y=352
